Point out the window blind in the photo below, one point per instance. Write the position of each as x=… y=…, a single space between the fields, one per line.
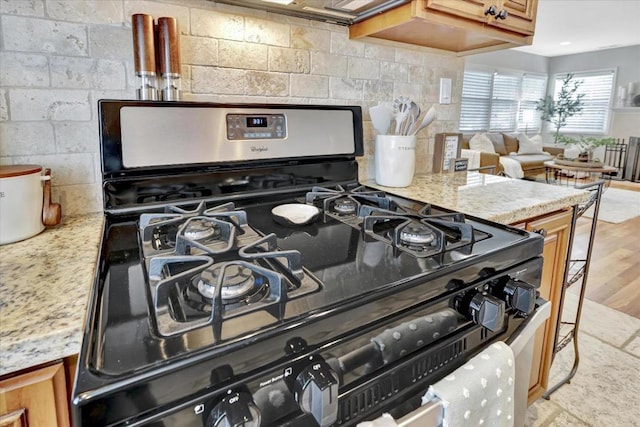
x=476 y=100
x=597 y=88
x=533 y=88
x=500 y=101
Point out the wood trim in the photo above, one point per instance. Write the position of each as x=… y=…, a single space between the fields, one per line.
x=16 y=418
x=70 y=364
x=42 y=392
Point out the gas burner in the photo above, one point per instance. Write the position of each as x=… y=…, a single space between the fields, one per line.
x=201 y=234
x=345 y=206
x=237 y=282
x=191 y=291
x=200 y=229
x=417 y=234
x=349 y=200
x=182 y=229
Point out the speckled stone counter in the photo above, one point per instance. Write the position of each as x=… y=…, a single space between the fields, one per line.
x=44 y=286
x=491 y=197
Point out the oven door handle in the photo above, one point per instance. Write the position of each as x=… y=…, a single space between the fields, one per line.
x=394 y=343
x=428 y=415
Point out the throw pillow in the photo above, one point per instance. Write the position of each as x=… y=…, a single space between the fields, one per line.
x=528 y=146
x=510 y=143
x=480 y=142
x=498 y=143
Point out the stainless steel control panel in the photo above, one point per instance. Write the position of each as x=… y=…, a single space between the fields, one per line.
x=251 y=126
x=153 y=136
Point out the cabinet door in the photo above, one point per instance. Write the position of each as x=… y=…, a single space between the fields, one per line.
x=557 y=230
x=521 y=15
x=470 y=9
x=41 y=394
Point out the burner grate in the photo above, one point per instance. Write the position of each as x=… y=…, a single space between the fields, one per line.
x=418 y=234
x=349 y=200
x=191 y=291
x=185 y=231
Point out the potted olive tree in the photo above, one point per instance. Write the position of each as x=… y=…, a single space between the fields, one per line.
x=568 y=104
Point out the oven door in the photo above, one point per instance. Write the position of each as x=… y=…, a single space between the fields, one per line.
x=431 y=414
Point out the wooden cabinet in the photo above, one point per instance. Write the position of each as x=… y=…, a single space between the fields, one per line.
x=36 y=398
x=469 y=9
x=521 y=16
x=461 y=26
x=556 y=228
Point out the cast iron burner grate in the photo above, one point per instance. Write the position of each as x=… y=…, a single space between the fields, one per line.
x=419 y=233
x=193 y=291
x=348 y=201
x=193 y=231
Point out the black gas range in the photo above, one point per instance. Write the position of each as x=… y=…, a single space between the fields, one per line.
x=245 y=278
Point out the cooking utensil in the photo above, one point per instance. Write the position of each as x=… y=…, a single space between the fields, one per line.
x=25 y=205
x=414 y=113
x=401 y=108
x=381 y=118
x=426 y=121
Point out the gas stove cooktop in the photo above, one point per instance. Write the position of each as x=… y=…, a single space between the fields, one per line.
x=215 y=274
x=205 y=303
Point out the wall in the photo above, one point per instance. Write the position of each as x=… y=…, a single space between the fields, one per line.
x=626 y=59
x=623 y=123
x=511 y=59
x=59 y=57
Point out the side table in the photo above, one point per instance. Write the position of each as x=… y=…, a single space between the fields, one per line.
x=556 y=173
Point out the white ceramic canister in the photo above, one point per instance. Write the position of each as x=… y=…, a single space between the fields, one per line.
x=25 y=206
x=395 y=159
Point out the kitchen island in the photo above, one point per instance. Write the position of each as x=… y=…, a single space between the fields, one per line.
x=496 y=198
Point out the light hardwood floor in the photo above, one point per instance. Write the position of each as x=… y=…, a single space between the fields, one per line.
x=614 y=274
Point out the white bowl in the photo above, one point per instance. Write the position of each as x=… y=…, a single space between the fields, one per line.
x=295 y=214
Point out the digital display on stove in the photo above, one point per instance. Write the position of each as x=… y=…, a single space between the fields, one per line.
x=259 y=125
x=256 y=122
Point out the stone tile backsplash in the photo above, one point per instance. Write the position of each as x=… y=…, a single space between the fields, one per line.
x=59 y=57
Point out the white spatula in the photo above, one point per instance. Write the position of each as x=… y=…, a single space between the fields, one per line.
x=381 y=118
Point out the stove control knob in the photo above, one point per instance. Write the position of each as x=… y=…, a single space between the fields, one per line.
x=487 y=311
x=316 y=391
x=520 y=295
x=235 y=410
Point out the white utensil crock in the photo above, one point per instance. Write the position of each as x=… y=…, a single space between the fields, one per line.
x=395 y=159
x=21 y=202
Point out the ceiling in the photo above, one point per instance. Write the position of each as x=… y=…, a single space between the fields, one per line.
x=588 y=25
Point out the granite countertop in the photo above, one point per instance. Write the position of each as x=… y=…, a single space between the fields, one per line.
x=496 y=198
x=44 y=287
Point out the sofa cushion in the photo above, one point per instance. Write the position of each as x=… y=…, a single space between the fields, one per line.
x=498 y=143
x=510 y=143
x=480 y=142
x=531 y=161
x=529 y=145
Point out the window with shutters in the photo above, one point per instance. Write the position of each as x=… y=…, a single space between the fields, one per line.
x=597 y=87
x=501 y=101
